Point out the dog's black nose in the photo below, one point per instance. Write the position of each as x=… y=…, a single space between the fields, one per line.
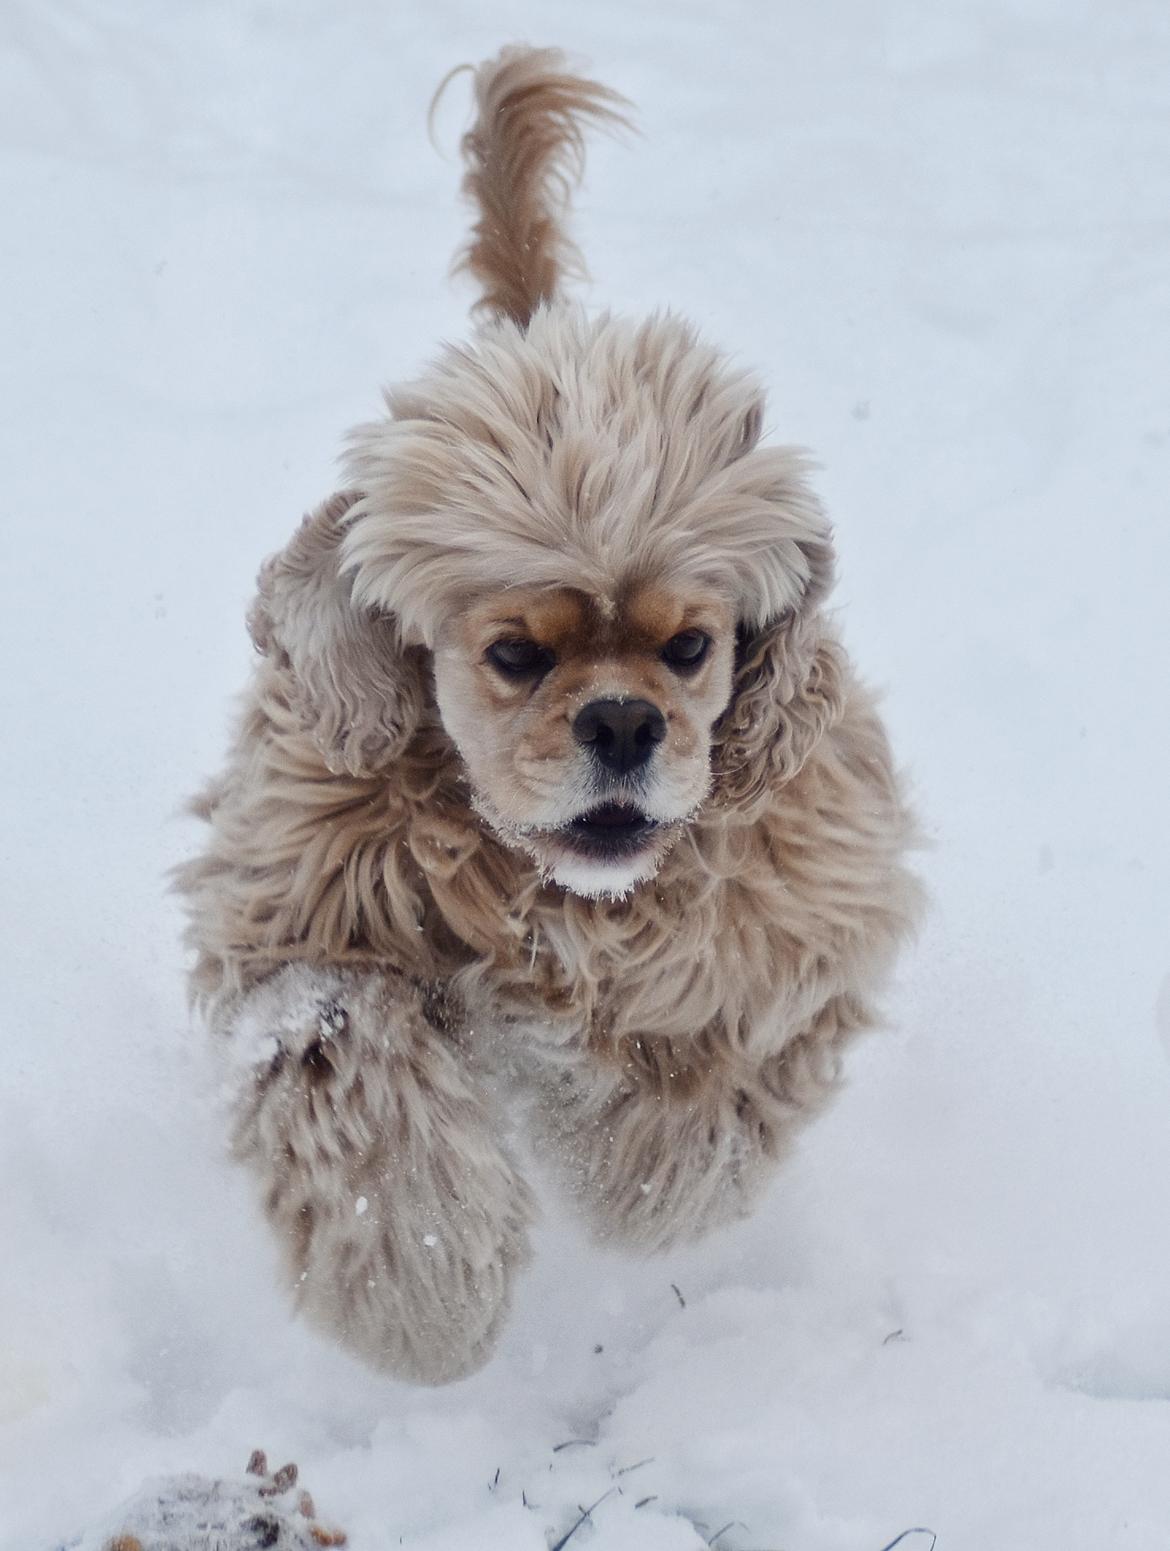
x=622 y=733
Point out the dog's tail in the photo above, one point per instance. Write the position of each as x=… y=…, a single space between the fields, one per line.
x=524 y=154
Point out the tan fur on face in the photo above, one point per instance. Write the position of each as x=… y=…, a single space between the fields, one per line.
x=528 y=771
x=380 y=933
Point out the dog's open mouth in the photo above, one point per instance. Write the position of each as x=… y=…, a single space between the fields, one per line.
x=614 y=830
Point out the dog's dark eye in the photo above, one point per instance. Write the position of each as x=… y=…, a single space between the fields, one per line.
x=518 y=658
x=687 y=649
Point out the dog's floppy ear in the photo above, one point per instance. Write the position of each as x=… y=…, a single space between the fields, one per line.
x=788 y=689
x=350 y=681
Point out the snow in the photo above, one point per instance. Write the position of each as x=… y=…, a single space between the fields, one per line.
x=940 y=230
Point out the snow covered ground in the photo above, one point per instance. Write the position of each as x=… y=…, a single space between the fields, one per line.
x=942 y=230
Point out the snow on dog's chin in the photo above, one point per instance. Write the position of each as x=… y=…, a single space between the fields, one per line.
x=607 y=858
x=596 y=879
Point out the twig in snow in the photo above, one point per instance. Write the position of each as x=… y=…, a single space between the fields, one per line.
x=898 y=1539
x=625 y=1470
x=575 y=1443
x=585 y=1513
x=653 y=1498
x=682 y=1302
x=731 y=1524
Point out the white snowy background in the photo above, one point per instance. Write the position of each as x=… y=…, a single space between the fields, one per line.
x=942 y=232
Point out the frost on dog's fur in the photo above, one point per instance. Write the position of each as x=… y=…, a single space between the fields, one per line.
x=393 y=912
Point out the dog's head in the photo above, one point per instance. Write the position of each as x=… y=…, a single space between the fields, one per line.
x=616 y=586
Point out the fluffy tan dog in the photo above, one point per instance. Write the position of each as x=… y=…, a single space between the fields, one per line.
x=554 y=798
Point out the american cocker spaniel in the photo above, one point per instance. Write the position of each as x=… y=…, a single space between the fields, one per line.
x=556 y=824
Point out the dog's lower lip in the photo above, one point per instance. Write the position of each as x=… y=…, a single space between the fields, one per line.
x=612 y=816
x=613 y=829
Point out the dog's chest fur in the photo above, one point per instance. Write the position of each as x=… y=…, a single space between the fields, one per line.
x=754 y=920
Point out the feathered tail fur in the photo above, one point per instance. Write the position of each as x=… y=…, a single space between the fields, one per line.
x=524 y=154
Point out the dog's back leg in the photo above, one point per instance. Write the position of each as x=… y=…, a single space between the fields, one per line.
x=402 y=1219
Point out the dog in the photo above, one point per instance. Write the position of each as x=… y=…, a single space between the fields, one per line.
x=555 y=809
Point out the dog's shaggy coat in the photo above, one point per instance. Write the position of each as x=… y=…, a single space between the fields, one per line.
x=399 y=933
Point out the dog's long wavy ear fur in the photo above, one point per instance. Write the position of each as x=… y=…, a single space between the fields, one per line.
x=357 y=690
x=788 y=690
x=524 y=153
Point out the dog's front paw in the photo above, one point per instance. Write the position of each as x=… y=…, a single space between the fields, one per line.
x=402 y=1218
x=300 y=1015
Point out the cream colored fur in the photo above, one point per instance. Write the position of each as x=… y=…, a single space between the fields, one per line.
x=382 y=942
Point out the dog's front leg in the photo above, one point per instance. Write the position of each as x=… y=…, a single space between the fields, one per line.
x=401 y=1217
x=663 y=1139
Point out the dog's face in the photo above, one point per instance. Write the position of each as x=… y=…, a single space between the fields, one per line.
x=585 y=722
x=616 y=588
